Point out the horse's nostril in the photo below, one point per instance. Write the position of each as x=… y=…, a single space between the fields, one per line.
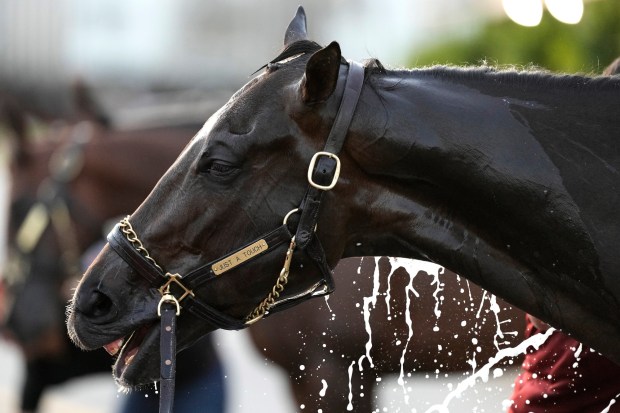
x=95 y=305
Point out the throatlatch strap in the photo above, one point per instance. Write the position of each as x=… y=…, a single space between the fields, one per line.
x=324 y=169
x=348 y=103
x=168 y=351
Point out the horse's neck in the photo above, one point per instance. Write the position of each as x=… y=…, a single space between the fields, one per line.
x=463 y=151
x=514 y=186
x=447 y=111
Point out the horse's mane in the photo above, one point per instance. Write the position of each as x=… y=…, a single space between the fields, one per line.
x=534 y=77
x=531 y=76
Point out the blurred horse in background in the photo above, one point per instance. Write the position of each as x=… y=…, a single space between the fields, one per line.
x=65 y=184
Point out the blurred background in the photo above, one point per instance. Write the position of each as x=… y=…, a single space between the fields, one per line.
x=123 y=49
x=167 y=62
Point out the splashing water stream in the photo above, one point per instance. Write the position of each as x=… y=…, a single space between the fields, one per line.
x=350 y=405
x=367 y=302
x=611 y=403
x=413 y=267
x=324 y=389
x=483 y=373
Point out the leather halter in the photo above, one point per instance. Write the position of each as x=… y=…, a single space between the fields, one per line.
x=323 y=174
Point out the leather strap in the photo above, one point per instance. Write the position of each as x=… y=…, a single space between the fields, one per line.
x=325 y=167
x=203 y=274
x=348 y=104
x=168 y=351
x=125 y=249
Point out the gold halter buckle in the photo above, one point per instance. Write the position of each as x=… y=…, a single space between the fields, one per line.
x=167 y=296
x=311 y=171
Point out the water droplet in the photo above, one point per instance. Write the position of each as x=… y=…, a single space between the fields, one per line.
x=324 y=389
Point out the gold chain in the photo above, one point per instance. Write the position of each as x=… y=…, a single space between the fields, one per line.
x=281 y=282
x=261 y=309
x=133 y=238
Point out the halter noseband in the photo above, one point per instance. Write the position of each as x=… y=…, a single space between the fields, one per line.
x=323 y=173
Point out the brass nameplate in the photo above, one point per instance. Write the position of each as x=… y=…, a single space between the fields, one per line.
x=240 y=257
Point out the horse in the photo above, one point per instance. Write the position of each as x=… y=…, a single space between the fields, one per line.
x=65 y=185
x=506 y=178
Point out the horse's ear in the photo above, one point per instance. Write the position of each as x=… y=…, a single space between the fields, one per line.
x=613 y=68
x=297 y=29
x=321 y=74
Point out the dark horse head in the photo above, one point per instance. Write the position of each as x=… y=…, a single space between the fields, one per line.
x=510 y=179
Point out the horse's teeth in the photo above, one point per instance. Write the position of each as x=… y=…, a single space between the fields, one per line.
x=129 y=359
x=130 y=355
x=114 y=347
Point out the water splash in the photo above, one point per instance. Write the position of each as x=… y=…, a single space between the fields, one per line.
x=388 y=291
x=413 y=267
x=499 y=336
x=611 y=403
x=401 y=375
x=324 y=389
x=534 y=341
x=327 y=303
x=438 y=290
x=368 y=301
x=350 y=404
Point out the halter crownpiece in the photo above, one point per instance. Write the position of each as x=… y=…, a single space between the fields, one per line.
x=323 y=174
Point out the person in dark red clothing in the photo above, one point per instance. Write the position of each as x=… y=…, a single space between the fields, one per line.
x=563 y=376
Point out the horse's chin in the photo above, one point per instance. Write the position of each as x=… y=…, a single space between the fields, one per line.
x=137 y=361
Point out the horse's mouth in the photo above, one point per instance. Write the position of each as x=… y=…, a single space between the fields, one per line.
x=128 y=350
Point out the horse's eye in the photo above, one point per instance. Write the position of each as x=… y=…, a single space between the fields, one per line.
x=216 y=168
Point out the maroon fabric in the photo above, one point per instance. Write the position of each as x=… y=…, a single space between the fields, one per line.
x=564 y=376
